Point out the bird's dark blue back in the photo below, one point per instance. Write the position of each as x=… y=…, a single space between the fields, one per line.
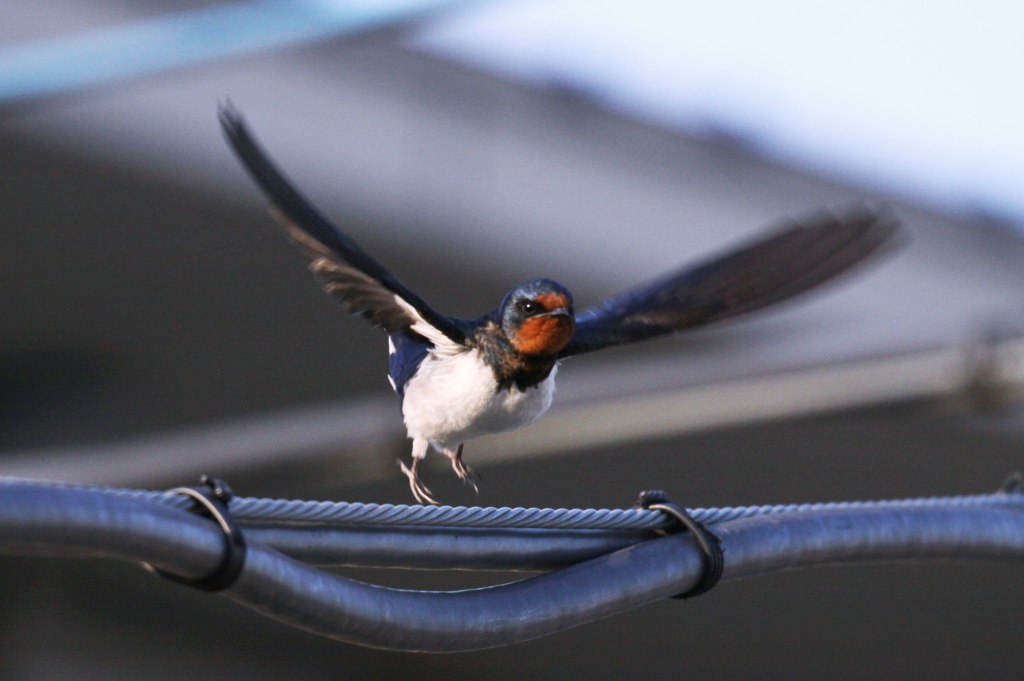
x=409 y=351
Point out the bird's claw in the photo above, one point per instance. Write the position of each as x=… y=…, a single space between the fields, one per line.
x=465 y=473
x=419 y=490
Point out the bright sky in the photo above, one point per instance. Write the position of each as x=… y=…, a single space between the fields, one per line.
x=925 y=98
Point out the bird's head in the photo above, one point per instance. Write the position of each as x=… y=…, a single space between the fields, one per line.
x=537 y=317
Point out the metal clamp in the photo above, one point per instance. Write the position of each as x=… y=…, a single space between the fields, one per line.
x=212 y=502
x=709 y=544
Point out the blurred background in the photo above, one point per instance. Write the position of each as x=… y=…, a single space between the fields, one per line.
x=155 y=323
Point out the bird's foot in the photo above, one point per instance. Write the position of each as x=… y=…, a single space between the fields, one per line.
x=465 y=473
x=419 y=490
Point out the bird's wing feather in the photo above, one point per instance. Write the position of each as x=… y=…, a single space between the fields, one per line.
x=789 y=261
x=347 y=272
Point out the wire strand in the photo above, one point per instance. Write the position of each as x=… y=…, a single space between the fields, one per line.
x=342 y=513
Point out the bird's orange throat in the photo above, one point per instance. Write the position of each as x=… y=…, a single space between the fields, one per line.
x=544 y=335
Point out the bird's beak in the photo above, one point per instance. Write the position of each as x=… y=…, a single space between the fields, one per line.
x=559 y=312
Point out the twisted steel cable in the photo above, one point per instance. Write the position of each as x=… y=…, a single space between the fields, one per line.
x=341 y=513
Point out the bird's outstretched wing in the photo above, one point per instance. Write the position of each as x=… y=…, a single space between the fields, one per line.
x=789 y=261
x=347 y=272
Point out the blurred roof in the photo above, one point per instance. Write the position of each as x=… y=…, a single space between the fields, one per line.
x=919 y=100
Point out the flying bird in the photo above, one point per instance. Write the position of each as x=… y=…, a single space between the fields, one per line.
x=458 y=379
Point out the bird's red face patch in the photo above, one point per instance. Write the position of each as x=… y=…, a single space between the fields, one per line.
x=546 y=335
x=553 y=301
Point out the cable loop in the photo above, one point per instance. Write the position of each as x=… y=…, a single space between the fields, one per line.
x=708 y=543
x=211 y=500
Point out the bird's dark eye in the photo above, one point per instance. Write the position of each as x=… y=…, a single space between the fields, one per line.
x=529 y=307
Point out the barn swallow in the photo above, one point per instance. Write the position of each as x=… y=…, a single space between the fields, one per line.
x=458 y=379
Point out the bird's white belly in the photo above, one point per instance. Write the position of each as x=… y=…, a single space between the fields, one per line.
x=454 y=398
